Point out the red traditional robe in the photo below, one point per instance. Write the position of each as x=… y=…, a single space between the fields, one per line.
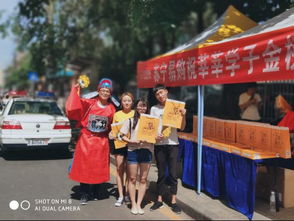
x=288 y=121
x=91 y=158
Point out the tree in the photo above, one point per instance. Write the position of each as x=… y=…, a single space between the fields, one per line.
x=18 y=77
x=114 y=35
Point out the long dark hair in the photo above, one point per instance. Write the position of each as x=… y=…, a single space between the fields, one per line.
x=137 y=114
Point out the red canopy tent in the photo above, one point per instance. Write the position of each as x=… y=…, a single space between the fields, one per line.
x=262 y=53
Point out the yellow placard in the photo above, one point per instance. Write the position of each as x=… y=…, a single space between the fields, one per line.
x=115 y=128
x=147 y=128
x=171 y=114
x=166 y=131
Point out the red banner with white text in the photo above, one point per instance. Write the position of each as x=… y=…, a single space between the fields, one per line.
x=266 y=56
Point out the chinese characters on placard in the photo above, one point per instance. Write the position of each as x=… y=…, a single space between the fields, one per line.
x=171 y=113
x=148 y=128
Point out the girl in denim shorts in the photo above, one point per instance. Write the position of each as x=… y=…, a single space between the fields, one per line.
x=139 y=156
x=120 y=153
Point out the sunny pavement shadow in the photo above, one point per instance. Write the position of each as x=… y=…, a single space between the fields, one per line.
x=105 y=191
x=38 y=154
x=188 y=210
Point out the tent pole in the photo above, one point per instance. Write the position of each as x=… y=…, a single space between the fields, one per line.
x=200 y=135
x=137 y=93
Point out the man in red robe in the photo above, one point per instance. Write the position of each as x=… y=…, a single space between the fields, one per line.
x=90 y=164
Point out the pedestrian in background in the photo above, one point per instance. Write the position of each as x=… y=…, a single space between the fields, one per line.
x=127 y=102
x=166 y=152
x=90 y=164
x=139 y=156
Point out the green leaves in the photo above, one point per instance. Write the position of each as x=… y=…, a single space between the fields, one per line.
x=110 y=36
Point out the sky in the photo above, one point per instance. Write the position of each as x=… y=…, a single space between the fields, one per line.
x=7 y=46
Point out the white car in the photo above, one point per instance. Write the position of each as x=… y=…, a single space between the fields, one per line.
x=29 y=123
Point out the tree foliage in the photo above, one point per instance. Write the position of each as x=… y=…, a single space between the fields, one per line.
x=114 y=35
x=17 y=79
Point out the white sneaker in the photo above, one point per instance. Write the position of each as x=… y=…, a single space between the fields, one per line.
x=119 y=202
x=134 y=211
x=140 y=211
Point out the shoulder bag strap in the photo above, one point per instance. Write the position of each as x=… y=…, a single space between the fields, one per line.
x=130 y=122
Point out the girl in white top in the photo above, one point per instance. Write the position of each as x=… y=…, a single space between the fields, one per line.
x=139 y=156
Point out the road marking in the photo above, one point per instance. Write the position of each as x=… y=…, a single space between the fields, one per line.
x=164 y=210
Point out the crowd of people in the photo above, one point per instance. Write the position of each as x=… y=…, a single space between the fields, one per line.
x=90 y=165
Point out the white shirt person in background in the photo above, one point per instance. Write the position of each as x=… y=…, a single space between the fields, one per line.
x=249 y=103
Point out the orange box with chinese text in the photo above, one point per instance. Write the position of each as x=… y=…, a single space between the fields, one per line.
x=220 y=130
x=242 y=133
x=280 y=140
x=211 y=127
x=195 y=125
x=263 y=138
x=205 y=127
x=230 y=131
x=252 y=135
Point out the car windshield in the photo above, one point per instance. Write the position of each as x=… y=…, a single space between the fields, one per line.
x=35 y=107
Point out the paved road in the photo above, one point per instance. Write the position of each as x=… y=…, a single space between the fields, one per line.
x=34 y=186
